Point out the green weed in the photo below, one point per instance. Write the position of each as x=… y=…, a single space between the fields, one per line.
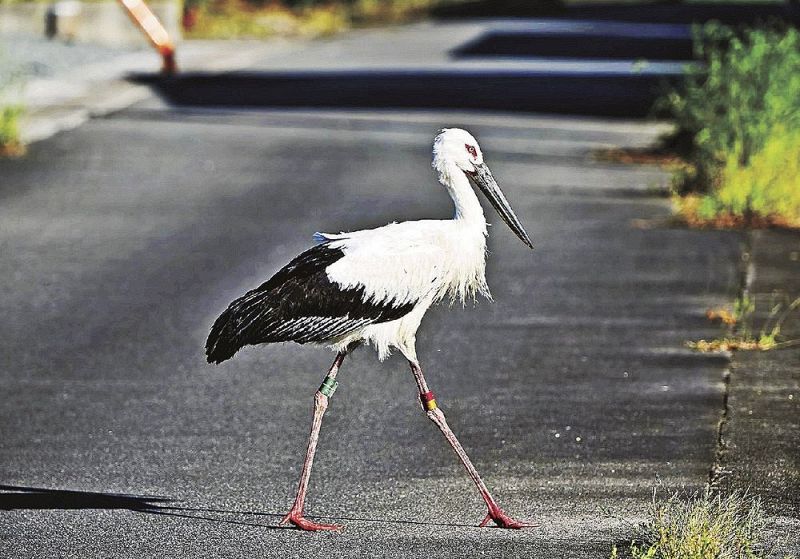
x=230 y=19
x=742 y=117
x=11 y=109
x=704 y=526
x=227 y=19
x=9 y=129
x=743 y=334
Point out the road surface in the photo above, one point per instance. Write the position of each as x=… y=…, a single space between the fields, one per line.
x=122 y=240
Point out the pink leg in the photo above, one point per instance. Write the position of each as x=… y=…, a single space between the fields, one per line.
x=495 y=513
x=295 y=515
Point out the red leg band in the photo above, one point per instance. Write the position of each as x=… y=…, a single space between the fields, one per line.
x=428 y=401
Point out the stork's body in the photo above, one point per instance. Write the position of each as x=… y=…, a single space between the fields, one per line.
x=374 y=286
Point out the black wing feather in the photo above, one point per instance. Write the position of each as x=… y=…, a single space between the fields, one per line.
x=299 y=304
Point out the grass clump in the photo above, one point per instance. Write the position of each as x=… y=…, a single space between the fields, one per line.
x=743 y=335
x=706 y=526
x=237 y=19
x=11 y=109
x=232 y=19
x=10 y=143
x=741 y=117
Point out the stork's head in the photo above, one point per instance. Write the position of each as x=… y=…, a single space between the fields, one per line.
x=457 y=146
x=454 y=146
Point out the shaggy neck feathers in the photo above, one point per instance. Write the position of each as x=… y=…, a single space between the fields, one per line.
x=467 y=207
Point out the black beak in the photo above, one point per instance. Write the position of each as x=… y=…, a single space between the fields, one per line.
x=483 y=178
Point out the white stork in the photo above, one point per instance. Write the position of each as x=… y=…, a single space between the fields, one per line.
x=374 y=286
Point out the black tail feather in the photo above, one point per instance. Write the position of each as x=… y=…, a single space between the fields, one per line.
x=221 y=343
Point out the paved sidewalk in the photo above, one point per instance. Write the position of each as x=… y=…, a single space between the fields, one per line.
x=64 y=85
x=761 y=432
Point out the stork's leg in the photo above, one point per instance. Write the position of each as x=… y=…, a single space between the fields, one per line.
x=295 y=515
x=495 y=513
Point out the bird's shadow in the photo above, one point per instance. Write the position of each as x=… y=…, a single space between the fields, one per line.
x=37 y=498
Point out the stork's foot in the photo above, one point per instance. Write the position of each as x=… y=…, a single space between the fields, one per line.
x=296 y=519
x=502 y=520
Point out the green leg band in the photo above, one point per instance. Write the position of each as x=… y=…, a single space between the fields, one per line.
x=328 y=386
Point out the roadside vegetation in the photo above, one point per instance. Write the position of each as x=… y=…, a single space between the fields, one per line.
x=738 y=121
x=743 y=333
x=10 y=143
x=705 y=526
x=11 y=110
x=227 y=19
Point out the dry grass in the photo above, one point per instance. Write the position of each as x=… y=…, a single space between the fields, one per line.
x=725 y=316
x=236 y=19
x=743 y=335
x=704 y=526
x=730 y=344
x=10 y=143
x=688 y=211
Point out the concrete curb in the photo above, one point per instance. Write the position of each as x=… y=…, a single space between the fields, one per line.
x=760 y=434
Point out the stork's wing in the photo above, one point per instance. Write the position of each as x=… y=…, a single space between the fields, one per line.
x=299 y=303
x=398 y=264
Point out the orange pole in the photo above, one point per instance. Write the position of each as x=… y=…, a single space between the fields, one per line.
x=147 y=21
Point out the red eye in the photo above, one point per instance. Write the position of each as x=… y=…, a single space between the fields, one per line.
x=471 y=149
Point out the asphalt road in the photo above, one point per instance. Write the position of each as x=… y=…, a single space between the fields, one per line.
x=122 y=240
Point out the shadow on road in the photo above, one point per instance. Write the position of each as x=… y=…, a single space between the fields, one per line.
x=38 y=498
x=733 y=13
x=587 y=40
x=603 y=60
x=610 y=90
